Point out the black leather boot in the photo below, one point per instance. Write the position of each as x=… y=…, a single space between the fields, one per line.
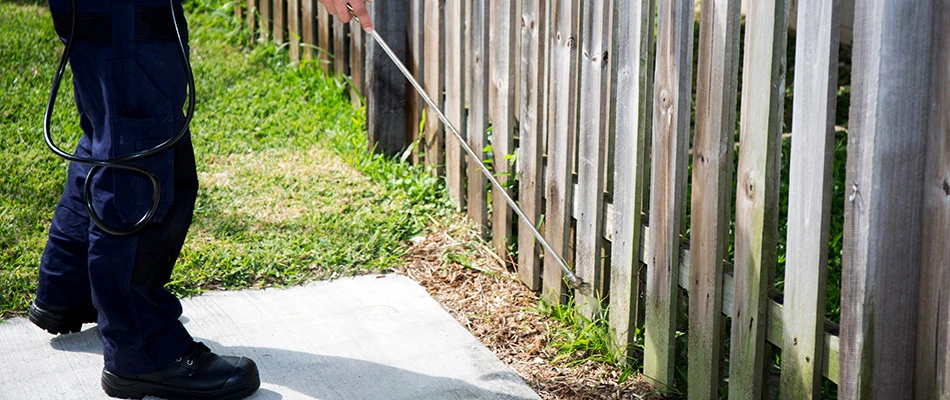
x=197 y=374
x=58 y=320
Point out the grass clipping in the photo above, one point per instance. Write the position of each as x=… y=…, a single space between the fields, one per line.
x=473 y=285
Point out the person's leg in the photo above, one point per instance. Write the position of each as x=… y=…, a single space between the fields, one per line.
x=63 y=299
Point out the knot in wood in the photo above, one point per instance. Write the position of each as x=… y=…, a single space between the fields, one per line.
x=571 y=43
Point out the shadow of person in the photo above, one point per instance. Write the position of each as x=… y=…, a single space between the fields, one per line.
x=296 y=374
x=341 y=378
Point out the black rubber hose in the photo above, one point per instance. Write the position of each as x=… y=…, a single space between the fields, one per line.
x=125 y=161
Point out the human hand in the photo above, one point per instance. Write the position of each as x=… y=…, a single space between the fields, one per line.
x=342 y=12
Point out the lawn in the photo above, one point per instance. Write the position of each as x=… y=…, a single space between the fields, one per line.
x=289 y=191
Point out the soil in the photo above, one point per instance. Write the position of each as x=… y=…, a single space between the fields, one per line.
x=486 y=297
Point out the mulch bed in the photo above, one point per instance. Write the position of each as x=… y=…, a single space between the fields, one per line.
x=487 y=298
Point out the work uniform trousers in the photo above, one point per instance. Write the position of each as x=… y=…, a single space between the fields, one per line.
x=129 y=86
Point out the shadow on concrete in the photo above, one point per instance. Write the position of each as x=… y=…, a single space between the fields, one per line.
x=328 y=377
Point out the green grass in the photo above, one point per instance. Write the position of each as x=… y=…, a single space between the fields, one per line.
x=289 y=190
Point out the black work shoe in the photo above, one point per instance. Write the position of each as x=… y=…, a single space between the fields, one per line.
x=58 y=320
x=197 y=374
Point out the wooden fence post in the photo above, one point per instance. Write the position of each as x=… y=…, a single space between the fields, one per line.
x=757 y=194
x=809 y=203
x=633 y=31
x=674 y=53
x=933 y=343
x=887 y=150
x=559 y=189
x=531 y=147
x=478 y=114
x=387 y=91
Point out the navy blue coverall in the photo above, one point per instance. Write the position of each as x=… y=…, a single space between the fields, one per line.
x=129 y=87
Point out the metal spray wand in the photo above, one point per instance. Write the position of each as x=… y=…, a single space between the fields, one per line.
x=573 y=281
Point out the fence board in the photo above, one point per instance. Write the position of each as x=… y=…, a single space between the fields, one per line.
x=531 y=145
x=809 y=203
x=933 y=371
x=887 y=147
x=632 y=25
x=592 y=123
x=716 y=85
x=307 y=28
x=357 y=63
x=558 y=192
x=293 y=29
x=251 y=17
x=324 y=42
x=454 y=95
x=502 y=104
x=266 y=19
x=674 y=49
x=417 y=66
x=757 y=193
x=341 y=59
x=388 y=121
x=478 y=115
x=278 y=7
x=433 y=83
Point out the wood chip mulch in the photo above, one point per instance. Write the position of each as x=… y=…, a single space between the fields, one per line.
x=487 y=298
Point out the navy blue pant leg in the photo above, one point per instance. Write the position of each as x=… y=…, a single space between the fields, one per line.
x=129 y=94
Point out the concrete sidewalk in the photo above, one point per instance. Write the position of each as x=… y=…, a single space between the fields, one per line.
x=369 y=337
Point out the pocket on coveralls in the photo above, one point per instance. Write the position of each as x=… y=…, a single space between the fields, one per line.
x=143 y=119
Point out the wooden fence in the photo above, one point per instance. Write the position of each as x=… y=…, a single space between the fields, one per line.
x=588 y=112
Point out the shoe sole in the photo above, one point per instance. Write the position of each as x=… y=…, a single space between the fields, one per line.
x=116 y=386
x=57 y=323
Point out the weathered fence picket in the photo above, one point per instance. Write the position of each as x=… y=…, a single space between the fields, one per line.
x=531 y=147
x=630 y=50
x=293 y=29
x=455 y=71
x=278 y=8
x=502 y=103
x=478 y=113
x=324 y=40
x=568 y=86
x=592 y=135
x=416 y=41
x=307 y=28
x=716 y=85
x=671 y=127
x=884 y=218
x=433 y=67
x=809 y=205
x=933 y=346
x=266 y=21
x=559 y=191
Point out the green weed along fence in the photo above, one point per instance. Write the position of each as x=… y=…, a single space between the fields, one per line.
x=595 y=103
